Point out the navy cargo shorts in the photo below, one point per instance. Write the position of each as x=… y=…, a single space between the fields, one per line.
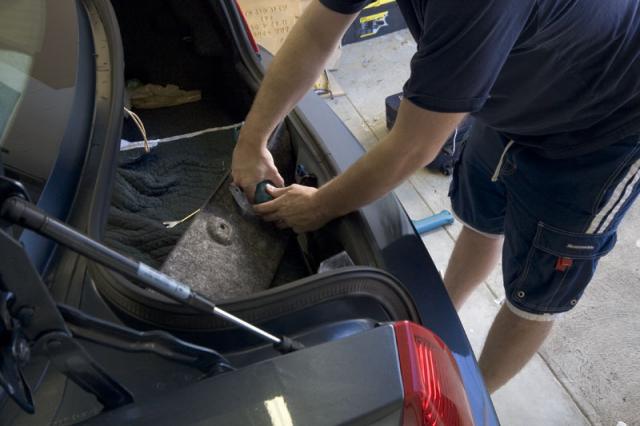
x=558 y=216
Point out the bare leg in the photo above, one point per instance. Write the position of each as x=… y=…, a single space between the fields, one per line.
x=512 y=340
x=473 y=259
x=511 y=343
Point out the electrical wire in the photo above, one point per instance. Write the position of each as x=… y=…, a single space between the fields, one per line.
x=138 y=121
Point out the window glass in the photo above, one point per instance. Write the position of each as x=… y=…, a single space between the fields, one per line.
x=21 y=29
x=38 y=70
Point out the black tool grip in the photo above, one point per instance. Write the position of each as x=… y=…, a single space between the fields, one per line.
x=262 y=196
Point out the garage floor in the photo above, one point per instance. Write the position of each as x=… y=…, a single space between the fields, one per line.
x=587 y=372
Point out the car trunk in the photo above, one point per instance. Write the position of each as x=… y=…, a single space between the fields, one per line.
x=165 y=43
x=188 y=166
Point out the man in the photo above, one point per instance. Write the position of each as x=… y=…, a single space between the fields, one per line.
x=551 y=166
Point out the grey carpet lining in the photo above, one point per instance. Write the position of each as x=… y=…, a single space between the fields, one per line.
x=173 y=180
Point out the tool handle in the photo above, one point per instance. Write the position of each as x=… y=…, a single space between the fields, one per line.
x=262 y=196
x=432 y=222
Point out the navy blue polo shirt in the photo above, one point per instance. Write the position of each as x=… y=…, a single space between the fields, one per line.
x=560 y=75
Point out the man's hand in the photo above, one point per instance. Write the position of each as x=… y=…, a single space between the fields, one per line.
x=250 y=166
x=414 y=141
x=294 y=207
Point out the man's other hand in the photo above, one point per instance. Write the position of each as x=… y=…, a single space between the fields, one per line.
x=294 y=207
x=250 y=166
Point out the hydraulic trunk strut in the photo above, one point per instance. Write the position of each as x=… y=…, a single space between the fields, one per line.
x=16 y=209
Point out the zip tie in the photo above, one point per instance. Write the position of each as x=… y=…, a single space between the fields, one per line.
x=153 y=142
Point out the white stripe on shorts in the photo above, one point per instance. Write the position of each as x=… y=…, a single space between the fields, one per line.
x=608 y=212
x=623 y=200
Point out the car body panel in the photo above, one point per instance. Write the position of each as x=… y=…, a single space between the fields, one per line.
x=306 y=388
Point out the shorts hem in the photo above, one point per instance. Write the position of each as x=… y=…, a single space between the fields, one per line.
x=486 y=234
x=542 y=317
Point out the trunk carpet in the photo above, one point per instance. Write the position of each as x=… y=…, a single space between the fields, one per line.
x=170 y=182
x=227 y=253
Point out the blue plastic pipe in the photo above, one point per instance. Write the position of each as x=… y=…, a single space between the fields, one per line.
x=432 y=222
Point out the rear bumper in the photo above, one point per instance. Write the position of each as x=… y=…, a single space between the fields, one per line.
x=356 y=380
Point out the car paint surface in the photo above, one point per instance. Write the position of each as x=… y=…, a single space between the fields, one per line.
x=300 y=388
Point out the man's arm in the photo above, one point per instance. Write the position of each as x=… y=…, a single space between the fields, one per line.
x=295 y=68
x=415 y=140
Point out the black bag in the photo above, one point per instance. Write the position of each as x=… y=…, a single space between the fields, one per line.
x=452 y=148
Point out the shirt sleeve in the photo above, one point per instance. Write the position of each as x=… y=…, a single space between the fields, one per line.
x=461 y=51
x=346 y=7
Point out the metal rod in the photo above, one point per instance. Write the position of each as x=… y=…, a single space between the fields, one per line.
x=232 y=318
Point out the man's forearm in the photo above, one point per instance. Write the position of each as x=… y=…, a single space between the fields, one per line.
x=389 y=163
x=294 y=69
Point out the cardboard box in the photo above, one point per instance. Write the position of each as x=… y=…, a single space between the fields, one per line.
x=271 y=21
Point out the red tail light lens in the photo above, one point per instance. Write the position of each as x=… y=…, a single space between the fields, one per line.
x=252 y=40
x=434 y=394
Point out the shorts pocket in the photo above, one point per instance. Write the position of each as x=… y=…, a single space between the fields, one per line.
x=558 y=268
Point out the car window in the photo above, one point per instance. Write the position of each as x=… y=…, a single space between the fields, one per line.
x=14 y=68
x=20 y=37
x=38 y=65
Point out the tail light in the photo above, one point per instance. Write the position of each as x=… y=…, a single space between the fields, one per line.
x=434 y=394
x=252 y=40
